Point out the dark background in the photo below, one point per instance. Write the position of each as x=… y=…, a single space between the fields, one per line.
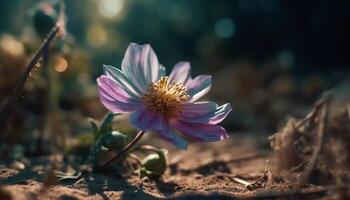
x=314 y=34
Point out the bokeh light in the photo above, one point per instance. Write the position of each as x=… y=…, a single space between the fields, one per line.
x=11 y=45
x=61 y=65
x=286 y=58
x=96 y=35
x=110 y=8
x=224 y=28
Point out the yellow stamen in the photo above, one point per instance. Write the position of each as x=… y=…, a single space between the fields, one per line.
x=166 y=98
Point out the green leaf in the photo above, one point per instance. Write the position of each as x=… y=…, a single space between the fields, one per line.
x=94 y=128
x=106 y=125
x=112 y=141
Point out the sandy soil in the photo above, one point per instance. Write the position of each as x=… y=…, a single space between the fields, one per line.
x=204 y=171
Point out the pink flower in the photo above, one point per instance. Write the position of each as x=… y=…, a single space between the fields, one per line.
x=163 y=104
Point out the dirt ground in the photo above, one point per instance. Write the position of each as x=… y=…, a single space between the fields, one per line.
x=204 y=171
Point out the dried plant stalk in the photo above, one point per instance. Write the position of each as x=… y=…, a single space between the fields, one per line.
x=57 y=30
x=315 y=149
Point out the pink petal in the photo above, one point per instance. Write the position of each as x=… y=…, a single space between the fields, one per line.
x=205 y=112
x=180 y=72
x=194 y=109
x=198 y=87
x=114 y=98
x=206 y=133
x=141 y=65
x=119 y=77
x=170 y=135
x=146 y=120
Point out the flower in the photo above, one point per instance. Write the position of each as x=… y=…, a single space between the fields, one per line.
x=163 y=104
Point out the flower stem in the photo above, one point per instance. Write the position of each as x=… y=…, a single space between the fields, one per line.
x=126 y=149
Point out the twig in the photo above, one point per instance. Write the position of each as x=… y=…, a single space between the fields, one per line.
x=258 y=183
x=126 y=149
x=7 y=108
x=319 y=141
x=241 y=181
x=314 y=111
x=269 y=175
x=248 y=185
x=266 y=176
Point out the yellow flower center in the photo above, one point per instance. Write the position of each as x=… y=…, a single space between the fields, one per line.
x=166 y=98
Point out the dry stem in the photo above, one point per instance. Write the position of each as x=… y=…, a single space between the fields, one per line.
x=7 y=108
x=319 y=140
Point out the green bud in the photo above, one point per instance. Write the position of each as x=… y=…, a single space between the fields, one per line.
x=154 y=165
x=44 y=19
x=97 y=154
x=113 y=141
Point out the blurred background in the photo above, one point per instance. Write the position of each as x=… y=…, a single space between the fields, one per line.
x=268 y=58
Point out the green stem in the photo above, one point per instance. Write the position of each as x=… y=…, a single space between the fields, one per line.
x=125 y=150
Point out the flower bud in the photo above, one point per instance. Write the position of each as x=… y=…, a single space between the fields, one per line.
x=154 y=165
x=113 y=140
x=44 y=19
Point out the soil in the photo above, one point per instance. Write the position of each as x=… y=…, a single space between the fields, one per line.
x=204 y=171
